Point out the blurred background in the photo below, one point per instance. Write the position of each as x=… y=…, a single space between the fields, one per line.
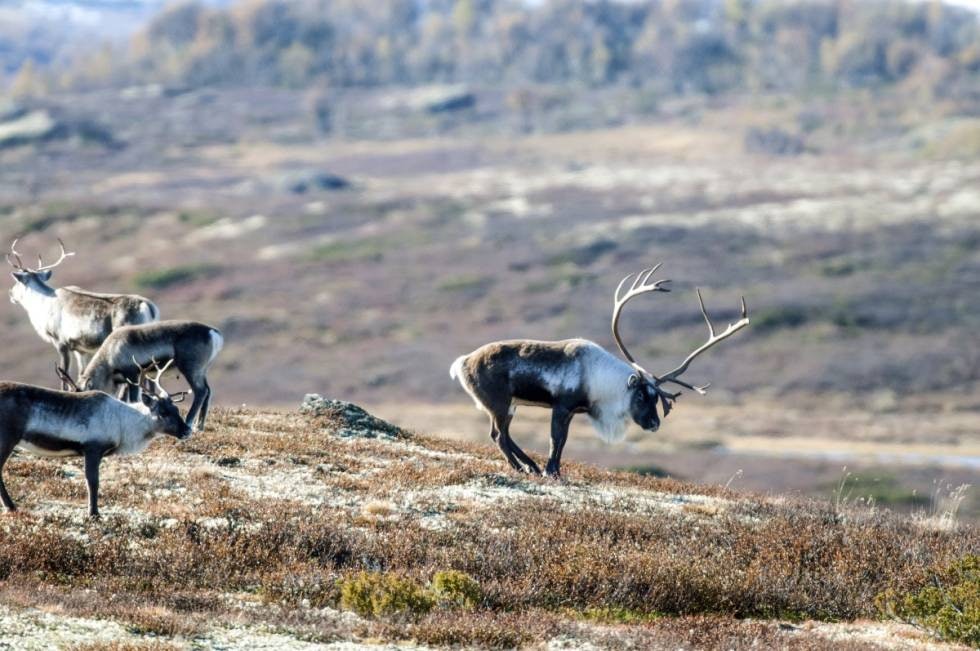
x=358 y=192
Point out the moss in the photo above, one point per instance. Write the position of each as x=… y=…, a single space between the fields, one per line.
x=464 y=283
x=948 y=605
x=367 y=249
x=172 y=276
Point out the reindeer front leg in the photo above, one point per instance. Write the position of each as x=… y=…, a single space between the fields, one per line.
x=64 y=353
x=7 y=446
x=93 y=458
x=561 y=418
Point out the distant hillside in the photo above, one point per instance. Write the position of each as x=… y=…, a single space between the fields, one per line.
x=285 y=530
x=703 y=46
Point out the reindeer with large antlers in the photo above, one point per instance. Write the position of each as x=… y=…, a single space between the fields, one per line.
x=576 y=376
x=71 y=319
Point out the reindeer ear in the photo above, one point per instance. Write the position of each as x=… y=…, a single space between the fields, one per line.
x=633 y=381
x=148 y=399
x=44 y=276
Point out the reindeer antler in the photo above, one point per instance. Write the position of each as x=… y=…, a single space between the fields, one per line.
x=64 y=254
x=65 y=378
x=713 y=339
x=641 y=285
x=19 y=264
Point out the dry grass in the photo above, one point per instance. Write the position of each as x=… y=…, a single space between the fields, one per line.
x=193 y=544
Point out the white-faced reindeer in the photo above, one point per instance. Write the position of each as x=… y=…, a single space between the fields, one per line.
x=575 y=376
x=90 y=424
x=190 y=345
x=69 y=318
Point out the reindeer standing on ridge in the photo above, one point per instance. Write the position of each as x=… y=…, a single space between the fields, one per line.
x=69 y=318
x=575 y=376
x=189 y=345
x=90 y=424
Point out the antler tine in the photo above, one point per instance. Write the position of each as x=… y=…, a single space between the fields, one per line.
x=139 y=377
x=704 y=313
x=713 y=339
x=19 y=265
x=160 y=371
x=64 y=377
x=640 y=285
x=64 y=254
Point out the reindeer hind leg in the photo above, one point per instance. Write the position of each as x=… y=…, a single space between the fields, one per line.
x=529 y=465
x=205 y=406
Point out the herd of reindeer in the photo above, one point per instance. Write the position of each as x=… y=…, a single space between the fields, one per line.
x=115 y=403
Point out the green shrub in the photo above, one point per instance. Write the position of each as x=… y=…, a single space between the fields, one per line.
x=456 y=588
x=367 y=249
x=172 y=276
x=778 y=318
x=949 y=606
x=464 y=283
x=373 y=594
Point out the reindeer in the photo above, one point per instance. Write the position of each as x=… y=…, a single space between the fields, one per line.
x=191 y=346
x=69 y=318
x=90 y=424
x=576 y=376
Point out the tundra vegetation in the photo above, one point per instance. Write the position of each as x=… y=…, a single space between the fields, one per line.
x=332 y=525
x=354 y=194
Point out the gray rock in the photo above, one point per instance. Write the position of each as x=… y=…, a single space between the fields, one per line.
x=351 y=420
x=313 y=181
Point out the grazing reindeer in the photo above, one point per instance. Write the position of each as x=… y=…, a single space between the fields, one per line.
x=90 y=424
x=69 y=318
x=575 y=376
x=191 y=346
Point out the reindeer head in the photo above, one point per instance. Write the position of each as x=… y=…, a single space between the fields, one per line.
x=646 y=388
x=32 y=280
x=162 y=406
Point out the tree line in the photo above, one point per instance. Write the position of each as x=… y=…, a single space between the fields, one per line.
x=673 y=46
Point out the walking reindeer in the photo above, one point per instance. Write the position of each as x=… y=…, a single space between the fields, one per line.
x=69 y=318
x=576 y=376
x=189 y=345
x=90 y=424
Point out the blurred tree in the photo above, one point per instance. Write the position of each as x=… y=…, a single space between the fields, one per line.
x=295 y=63
x=27 y=82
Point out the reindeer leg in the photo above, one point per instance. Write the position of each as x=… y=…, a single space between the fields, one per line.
x=65 y=355
x=515 y=450
x=498 y=432
x=93 y=457
x=6 y=448
x=81 y=361
x=199 y=395
x=560 y=420
x=529 y=465
x=205 y=406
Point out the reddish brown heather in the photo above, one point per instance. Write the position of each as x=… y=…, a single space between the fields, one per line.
x=273 y=508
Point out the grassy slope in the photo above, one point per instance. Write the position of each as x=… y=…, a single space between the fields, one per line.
x=238 y=537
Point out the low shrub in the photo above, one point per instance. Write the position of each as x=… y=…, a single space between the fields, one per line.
x=374 y=594
x=948 y=607
x=456 y=588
